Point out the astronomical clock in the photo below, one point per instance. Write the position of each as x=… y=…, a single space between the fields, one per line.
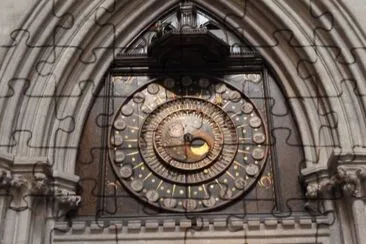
x=189 y=120
x=189 y=144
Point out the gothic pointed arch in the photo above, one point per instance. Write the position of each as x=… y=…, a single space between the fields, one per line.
x=54 y=76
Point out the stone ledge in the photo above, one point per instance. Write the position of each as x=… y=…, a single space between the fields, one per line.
x=298 y=233
x=171 y=225
x=288 y=223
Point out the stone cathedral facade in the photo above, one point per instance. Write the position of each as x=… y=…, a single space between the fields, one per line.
x=167 y=121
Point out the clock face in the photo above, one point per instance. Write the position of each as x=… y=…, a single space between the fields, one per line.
x=189 y=144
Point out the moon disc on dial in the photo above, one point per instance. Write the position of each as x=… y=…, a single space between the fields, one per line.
x=251 y=169
x=247 y=108
x=139 y=97
x=255 y=122
x=152 y=195
x=240 y=183
x=235 y=96
x=170 y=202
x=153 y=88
x=186 y=81
x=204 y=82
x=119 y=124
x=190 y=204
x=259 y=137
x=126 y=171
x=220 y=88
x=169 y=83
x=258 y=153
x=127 y=110
x=117 y=140
x=137 y=185
x=119 y=156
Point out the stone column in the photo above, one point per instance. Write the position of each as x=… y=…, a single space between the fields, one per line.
x=351 y=178
x=5 y=182
x=18 y=211
x=32 y=193
x=320 y=186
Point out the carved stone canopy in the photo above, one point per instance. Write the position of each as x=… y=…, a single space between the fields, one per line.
x=189 y=48
x=186 y=38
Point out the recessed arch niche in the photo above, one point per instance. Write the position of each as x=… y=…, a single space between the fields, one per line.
x=187 y=55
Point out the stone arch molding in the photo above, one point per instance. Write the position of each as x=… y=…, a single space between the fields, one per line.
x=56 y=61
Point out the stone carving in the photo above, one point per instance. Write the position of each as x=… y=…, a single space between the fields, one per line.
x=19 y=182
x=350 y=179
x=24 y=187
x=318 y=188
x=5 y=178
x=347 y=177
x=67 y=198
x=40 y=184
x=19 y=189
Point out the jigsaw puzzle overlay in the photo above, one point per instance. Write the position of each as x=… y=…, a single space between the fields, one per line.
x=191 y=131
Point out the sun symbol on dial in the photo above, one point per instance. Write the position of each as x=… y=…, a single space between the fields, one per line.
x=188 y=148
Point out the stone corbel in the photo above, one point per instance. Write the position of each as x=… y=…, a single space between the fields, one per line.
x=319 y=189
x=24 y=189
x=67 y=199
x=6 y=161
x=346 y=170
x=350 y=179
x=19 y=183
x=19 y=191
x=64 y=193
x=319 y=184
x=27 y=179
x=15 y=185
x=5 y=178
x=41 y=184
x=350 y=171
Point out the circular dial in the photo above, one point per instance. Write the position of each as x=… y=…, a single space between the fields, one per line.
x=188 y=145
x=190 y=136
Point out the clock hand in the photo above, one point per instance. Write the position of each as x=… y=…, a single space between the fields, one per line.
x=186 y=150
x=187 y=143
x=174 y=145
x=200 y=116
